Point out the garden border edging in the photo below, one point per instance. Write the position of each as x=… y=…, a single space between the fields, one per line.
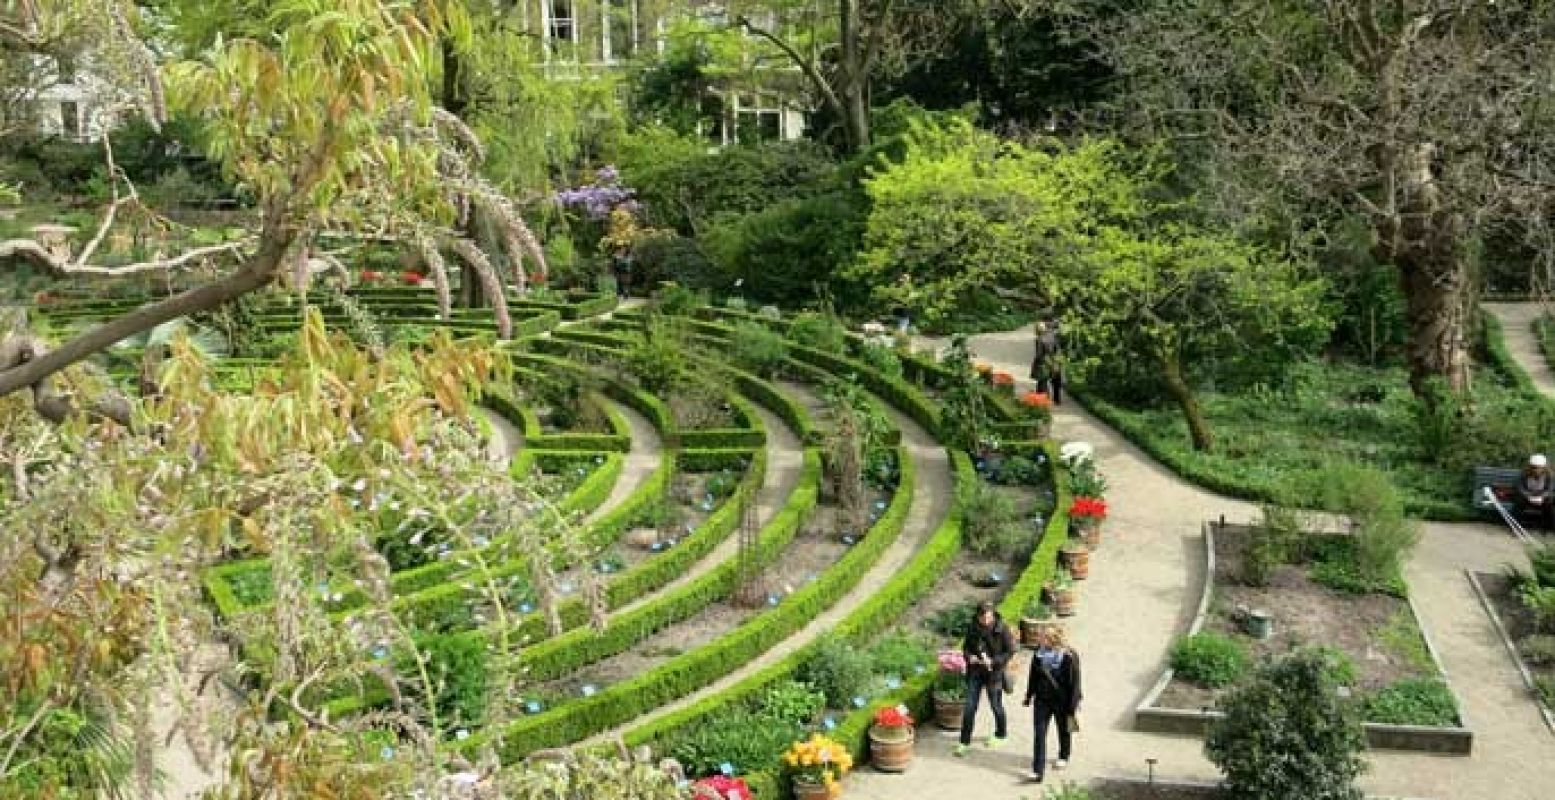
x=1511 y=648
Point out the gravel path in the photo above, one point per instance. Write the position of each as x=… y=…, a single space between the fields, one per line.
x=506 y=439
x=785 y=461
x=932 y=491
x=1144 y=582
x=641 y=460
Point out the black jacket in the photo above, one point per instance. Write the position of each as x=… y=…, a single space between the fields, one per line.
x=1063 y=690
x=995 y=641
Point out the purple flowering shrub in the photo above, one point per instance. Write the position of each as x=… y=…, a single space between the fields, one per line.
x=596 y=200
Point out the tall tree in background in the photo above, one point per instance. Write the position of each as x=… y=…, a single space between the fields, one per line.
x=1429 y=119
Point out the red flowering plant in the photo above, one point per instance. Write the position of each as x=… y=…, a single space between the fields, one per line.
x=371 y=276
x=892 y=724
x=412 y=278
x=721 y=787
x=1003 y=379
x=1088 y=509
x=1036 y=400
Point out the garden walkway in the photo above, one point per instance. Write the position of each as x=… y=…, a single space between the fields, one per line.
x=1517 y=329
x=785 y=462
x=932 y=490
x=1145 y=582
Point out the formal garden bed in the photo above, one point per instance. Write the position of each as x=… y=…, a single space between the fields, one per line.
x=1276 y=587
x=1523 y=606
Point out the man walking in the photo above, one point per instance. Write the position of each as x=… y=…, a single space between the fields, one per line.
x=988 y=647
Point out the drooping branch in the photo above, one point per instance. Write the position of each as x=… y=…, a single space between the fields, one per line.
x=472 y=255
x=806 y=66
x=433 y=259
x=59 y=267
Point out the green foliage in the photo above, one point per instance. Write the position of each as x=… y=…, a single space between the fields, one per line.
x=1275 y=542
x=952 y=621
x=1543 y=559
x=1416 y=701
x=685 y=188
x=881 y=359
x=745 y=739
x=820 y=330
x=838 y=670
x=758 y=348
x=1068 y=790
x=1540 y=602
x=991 y=523
x=658 y=358
x=456 y=666
x=1538 y=650
x=793 y=701
x=790 y=252
x=1286 y=735
x=1401 y=637
x=1019 y=471
x=1209 y=659
x=900 y=654
x=963 y=417
x=1382 y=535
x=680 y=301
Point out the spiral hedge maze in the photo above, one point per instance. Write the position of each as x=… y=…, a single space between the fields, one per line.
x=709 y=513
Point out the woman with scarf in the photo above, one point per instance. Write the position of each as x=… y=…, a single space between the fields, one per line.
x=1053 y=685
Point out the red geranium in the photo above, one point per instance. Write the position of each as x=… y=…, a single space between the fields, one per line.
x=412 y=278
x=893 y=717
x=370 y=275
x=1091 y=507
x=1003 y=379
x=721 y=787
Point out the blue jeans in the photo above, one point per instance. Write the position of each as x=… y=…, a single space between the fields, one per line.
x=977 y=683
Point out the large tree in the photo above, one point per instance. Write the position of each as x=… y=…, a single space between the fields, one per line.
x=327 y=119
x=1429 y=119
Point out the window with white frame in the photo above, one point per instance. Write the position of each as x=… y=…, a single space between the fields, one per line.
x=561 y=25
x=758 y=118
x=619 y=31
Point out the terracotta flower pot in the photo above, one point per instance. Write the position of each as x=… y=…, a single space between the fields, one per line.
x=1093 y=535
x=947 y=713
x=813 y=790
x=891 y=749
x=1077 y=560
x=1062 y=600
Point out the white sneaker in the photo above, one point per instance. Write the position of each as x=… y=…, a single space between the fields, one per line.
x=1060 y=764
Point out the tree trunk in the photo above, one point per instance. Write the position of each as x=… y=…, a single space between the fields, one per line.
x=853 y=77
x=1177 y=386
x=1434 y=295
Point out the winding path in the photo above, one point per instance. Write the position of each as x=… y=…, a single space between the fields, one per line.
x=1517 y=329
x=785 y=462
x=932 y=490
x=1144 y=582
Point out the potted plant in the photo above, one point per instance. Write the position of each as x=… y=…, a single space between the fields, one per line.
x=1076 y=558
x=816 y=764
x=1085 y=517
x=950 y=690
x=1035 y=619
x=891 y=739
x=1004 y=383
x=1061 y=593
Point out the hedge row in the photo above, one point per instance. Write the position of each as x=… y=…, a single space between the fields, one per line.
x=572 y=651
x=646 y=576
x=920 y=575
x=689 y=672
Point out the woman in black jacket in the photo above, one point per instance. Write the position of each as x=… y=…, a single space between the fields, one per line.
x=1054 y=686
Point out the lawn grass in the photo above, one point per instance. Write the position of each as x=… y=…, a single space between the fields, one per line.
x=1274 y=443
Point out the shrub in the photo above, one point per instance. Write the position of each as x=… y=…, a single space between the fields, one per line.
x=900 y=654
x=1287 y=735
x=758 y=348
x=1538 y=650
x=680 y=301
x=747 y=740
x=990 y=522
x=658 y=359
x=1337 y=566
x=838 y=670
x=1540 y=602
x=793 y=701
x=881 y=359
x=1543 y=559
x=1019 y=471
x=1417 y=701
x=789 y=252
x=953 y=621
x=819 y=331
x=1211 y=660
x=456 y=666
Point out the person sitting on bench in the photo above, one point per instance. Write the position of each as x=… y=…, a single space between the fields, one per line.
x=1536 y=490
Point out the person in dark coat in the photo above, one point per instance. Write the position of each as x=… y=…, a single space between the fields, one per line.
x=1053 y=690
x=1047 y=360
x=1536 y=490
x=988 y=647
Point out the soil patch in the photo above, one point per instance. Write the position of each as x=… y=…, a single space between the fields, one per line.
x=1379 y=632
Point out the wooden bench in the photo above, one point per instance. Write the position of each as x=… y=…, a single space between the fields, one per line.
x=1501 y=480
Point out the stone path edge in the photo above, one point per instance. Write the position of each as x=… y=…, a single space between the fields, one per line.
x=1511 y=649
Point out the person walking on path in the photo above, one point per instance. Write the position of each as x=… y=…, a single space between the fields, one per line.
x=1047 y=360
x=906 y=297
x=1053 y=688
x=988 y=647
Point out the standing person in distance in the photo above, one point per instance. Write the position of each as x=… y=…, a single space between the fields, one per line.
x=1053 y=687
x=988 y=647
